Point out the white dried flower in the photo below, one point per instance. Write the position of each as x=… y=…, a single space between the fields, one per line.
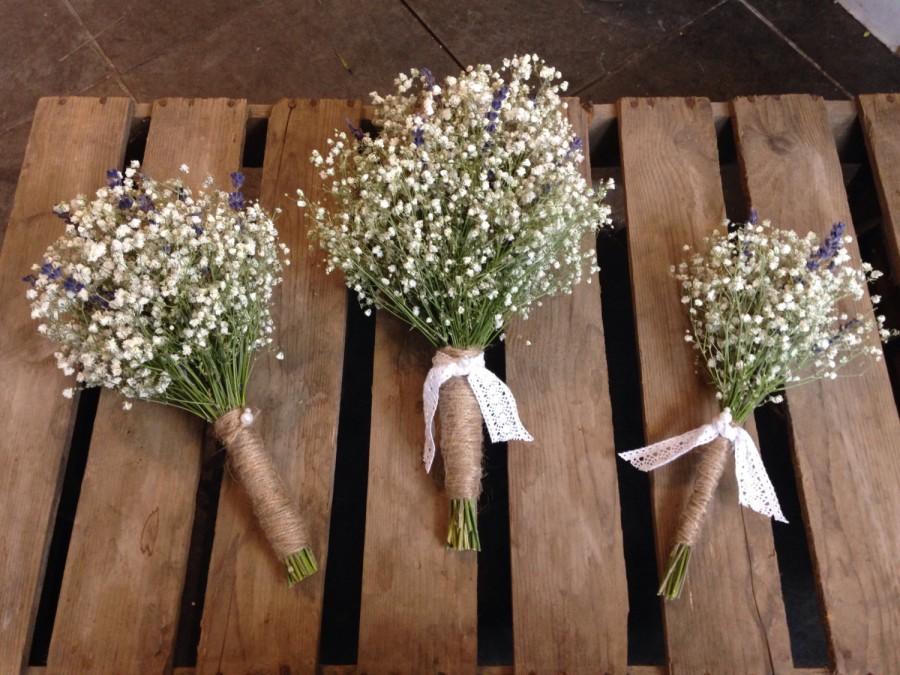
x=159 y=292
x=467 y=208
x=769 y=311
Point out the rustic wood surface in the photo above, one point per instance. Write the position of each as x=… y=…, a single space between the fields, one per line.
x=569 y=594
x=251 y=619
x=846 y=433
x=880 y=118
x=481 y=670
x=418 y=612
x=132 y=530
x=673 y=197
x=72 y=144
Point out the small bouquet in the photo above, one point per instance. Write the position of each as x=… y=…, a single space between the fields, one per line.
x=467 y=208
x=163 y=295
x=768 y=312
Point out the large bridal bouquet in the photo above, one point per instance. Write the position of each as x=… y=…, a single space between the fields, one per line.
x=163 y=295
x=769 y=310
x=465 y=210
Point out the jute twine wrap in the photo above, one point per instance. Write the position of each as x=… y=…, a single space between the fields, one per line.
x=461 y=434
x=709 y=472
x=278 y=517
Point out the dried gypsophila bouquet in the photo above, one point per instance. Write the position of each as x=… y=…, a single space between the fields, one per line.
x=164 y=295
x=467 y=208
x=767 y=309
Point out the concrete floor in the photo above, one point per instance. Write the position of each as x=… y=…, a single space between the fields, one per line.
x=267 y=49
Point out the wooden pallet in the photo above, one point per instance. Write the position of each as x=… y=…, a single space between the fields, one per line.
x=118 y=606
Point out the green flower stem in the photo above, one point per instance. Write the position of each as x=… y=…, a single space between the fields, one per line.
x=463 y=532
x=300 y=565
x=676 y=572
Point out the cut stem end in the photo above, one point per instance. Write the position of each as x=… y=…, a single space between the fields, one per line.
x=676 y=572
x=463 y=533
x=300 y=565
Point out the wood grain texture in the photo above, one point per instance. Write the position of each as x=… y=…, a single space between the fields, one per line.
x=880 y=117
x=673 y=197
x=846 y=433
x=569 y=593
x=118 y=607
x=73 y=142
x=418 y=612
x=252 y=621
x=484 y=670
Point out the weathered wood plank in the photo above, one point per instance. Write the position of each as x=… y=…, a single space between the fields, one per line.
x=418 y=612
x=846 y=433
x=569 y=593
x=118 y=608
x=489 y=670
x=880 y=115
x=252 y=621
x=674 y=197
x=73 y=142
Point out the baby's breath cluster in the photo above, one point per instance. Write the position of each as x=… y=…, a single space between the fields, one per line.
x=158 y=292
x=771 y=310
x=469 y=205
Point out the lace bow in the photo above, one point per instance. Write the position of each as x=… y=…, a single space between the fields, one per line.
x=755 y=490
x=496 y=401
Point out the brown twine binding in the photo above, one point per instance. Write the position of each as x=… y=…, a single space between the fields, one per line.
x=461 y=435
x=278 y=517
x=709 y=472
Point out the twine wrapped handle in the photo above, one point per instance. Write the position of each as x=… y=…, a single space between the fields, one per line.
x=278 y=516
x=461 y=436
x=755 y=490
x=463 y=392
x=709 y=472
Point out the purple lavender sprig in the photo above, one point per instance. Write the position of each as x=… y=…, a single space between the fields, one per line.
x=494 y=113
x=236 y=198
x=829 y=248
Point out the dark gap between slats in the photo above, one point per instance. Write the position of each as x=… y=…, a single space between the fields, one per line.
x=62 y=527
x=255 y=141
x=495 y=629
x=646 y=644
x=803 y=611
x=339 y=638
x=137 y=139
x=802 y=606
x=193 y=594
x=852 y=148
x=868 y=222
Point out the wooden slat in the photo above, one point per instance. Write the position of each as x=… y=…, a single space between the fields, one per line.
x=252 y=621
x=418 y=611
x=569 y=593
x=846 y=433
x=880 y=114
x=72 y=143
x=509 y=670
x=673 y=197
x=487 y=670
x=118 y=608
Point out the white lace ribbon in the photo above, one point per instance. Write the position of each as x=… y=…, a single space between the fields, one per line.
x=755 y=490
x=496 y=401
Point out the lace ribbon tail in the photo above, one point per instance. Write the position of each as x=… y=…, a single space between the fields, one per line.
x=659 y=454
x=430 y=397
x=755 y=489
x=498 y=407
